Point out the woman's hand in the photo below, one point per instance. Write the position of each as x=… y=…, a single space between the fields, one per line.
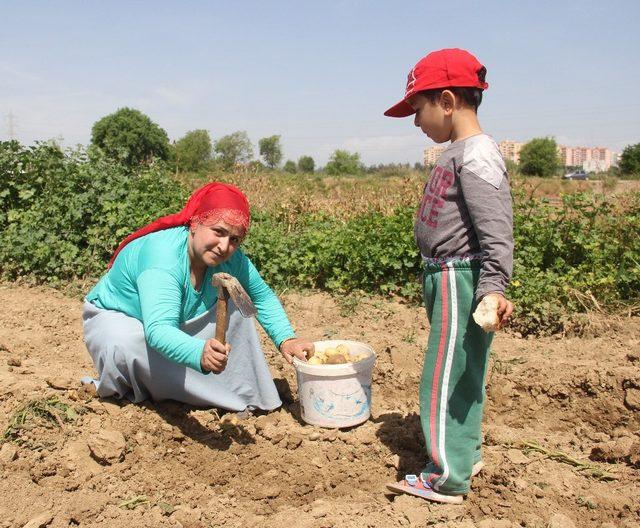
x=297 y=347
x=214 y=356
x=505 y=309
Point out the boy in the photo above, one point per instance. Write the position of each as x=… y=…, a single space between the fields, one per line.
x=463 y=229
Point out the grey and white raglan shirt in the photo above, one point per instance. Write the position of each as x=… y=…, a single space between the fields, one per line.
x=466 y=212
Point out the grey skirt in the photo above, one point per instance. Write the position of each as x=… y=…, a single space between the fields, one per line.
x=129 y=368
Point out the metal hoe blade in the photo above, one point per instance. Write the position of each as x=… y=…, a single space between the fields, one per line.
x=237 y=293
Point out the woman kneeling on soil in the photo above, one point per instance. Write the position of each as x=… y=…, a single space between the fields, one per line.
x=149 y=322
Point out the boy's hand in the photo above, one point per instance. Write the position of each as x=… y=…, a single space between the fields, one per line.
x=505 y=309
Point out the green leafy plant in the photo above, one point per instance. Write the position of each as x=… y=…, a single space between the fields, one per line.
x=62 y=215
x=132 y=503
x=586 y=468
x=45 y=410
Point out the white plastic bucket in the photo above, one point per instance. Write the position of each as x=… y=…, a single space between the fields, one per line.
x=336 y=395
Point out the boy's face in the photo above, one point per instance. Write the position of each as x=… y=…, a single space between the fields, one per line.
x=432 y=118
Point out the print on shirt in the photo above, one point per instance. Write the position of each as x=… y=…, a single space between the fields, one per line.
x=432 y=200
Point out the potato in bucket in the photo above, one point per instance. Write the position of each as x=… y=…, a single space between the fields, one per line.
x=334 y=386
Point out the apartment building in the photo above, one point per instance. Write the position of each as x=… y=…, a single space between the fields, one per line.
x=596 y=159
x=431 y=154
x=591 y=159
x=510 y=149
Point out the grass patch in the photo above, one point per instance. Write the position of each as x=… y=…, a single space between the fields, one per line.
x=132 y=503
x=348 y=303
x=586 y=468
x=166 y=508
x=505 y=366
x=45 y=411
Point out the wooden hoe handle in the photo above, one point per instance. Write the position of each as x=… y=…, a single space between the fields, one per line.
x=221 y=314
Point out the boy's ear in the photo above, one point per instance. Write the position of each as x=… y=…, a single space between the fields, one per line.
x=447 y=100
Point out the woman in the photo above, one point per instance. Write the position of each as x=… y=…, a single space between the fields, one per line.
x=149 y=322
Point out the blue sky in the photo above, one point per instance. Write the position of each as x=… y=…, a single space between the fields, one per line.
x=320 y=74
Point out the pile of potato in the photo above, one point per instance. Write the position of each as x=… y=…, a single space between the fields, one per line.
x=335 y=356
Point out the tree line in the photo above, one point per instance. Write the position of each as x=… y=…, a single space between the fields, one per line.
x=132 y=138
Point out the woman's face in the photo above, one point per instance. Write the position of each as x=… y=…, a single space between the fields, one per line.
x=213 y=244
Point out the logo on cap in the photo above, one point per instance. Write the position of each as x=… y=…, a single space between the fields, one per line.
x=411 y=81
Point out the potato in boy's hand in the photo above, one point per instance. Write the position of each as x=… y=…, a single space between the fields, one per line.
x=486 y=314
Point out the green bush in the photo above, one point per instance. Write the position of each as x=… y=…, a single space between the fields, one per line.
x=63 y=214
x=582 y=255
x=373 y=253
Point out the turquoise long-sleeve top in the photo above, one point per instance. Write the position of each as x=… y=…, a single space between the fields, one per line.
x=150 y=280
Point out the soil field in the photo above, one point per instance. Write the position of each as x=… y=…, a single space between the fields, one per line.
x=562 y=433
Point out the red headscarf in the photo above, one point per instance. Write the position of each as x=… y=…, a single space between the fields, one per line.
x=210 y=203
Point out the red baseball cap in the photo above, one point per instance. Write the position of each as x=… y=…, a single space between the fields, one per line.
x=446 y=68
